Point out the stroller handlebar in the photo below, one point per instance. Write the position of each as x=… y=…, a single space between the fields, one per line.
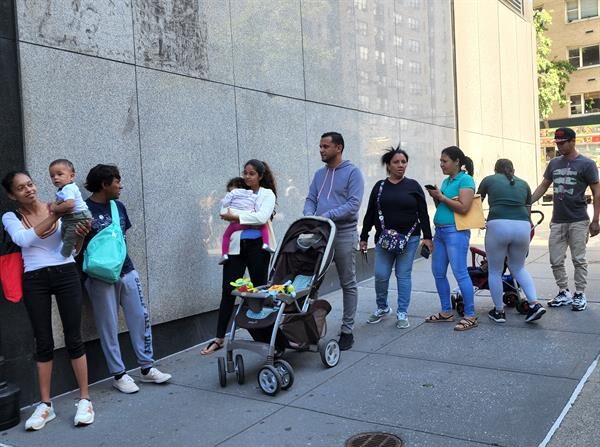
x=540 y=217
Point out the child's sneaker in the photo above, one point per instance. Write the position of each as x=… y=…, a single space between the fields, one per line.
x=402 y=322
x=223 y=260
x=40 y=417
x=378 y=315
x=579 y=301
x=562 y=298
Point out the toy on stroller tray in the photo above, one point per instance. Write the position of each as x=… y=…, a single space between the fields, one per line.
x=478 y=273
x=285 y=312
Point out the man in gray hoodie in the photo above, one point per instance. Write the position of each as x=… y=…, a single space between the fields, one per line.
x=336 y=192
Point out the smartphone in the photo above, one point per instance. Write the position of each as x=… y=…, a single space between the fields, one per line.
x=425 y=251
x=430 y=187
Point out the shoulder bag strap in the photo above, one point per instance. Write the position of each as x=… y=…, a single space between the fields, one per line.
x=114 y=215
x=380 y=214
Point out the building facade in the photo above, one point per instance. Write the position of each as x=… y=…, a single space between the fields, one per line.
x=180 y=93
x=575 y=35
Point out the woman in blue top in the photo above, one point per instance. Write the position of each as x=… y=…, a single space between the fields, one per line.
x=450 y=246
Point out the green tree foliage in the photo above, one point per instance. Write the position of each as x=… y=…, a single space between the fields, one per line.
x=553 y=75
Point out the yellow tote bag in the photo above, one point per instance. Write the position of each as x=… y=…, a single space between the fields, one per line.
x=473 y=219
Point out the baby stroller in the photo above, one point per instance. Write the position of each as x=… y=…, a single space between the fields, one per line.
x=278 y=320
x=478 y=272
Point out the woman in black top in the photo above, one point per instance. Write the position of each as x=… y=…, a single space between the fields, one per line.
x=399 y=204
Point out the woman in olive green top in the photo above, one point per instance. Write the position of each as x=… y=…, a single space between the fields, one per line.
x=507 y=236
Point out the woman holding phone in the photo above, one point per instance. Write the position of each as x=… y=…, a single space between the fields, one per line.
x=450 y=246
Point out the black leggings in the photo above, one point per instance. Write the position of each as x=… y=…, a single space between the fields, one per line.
x=38 y=288
x=256 y=260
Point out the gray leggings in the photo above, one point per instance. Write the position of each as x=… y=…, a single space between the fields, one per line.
x=508 y=239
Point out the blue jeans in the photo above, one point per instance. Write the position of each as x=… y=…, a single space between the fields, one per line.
x=450 y=247
x=384 y=261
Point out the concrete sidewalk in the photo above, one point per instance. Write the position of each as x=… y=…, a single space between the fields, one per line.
x=502 y=385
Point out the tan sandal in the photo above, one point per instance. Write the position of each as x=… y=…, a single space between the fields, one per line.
x=466 y=323
x=439 y=318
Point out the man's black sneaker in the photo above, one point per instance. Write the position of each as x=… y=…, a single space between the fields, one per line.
x=535 y=312
x=497 y=316
x=346 y=341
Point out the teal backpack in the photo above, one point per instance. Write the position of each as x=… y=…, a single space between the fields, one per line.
x=105 y=254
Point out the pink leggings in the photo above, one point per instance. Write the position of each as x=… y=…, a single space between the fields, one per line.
x=233 y=227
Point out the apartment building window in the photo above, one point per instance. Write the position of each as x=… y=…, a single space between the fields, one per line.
x=398 y=19
x=581 y=9
x=585 y=103
x=363 y=53
x=361 y=4
x=413 y=23
x=585 y=56
x=413 y=45
x=399 y=63
x=414 y=67
x=380 y=57
x=363 y=28
x=398 y=41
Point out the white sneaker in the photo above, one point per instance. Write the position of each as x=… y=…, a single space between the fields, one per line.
x=42 y=415
x=562 y=298
x=402 y=322
x=85 y=413
x=126 y=384
x=155 y=376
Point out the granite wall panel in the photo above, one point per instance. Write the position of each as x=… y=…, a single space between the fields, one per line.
x=329 y=43
x=189 y=152
x=285 y=152
x=95 y=28
x=189 y=37
x=267 y=46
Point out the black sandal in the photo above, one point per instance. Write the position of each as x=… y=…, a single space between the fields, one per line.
x=208 y=349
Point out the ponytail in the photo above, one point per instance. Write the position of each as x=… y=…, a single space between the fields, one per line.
x=505 y=166
x=468 y=164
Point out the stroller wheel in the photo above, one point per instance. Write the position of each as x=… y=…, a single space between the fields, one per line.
x=286 y=373
x=453 y=298
x=330 y=353
x=522 y=307
x=458 y=303
x=510 y=298
x=222 y=372
x=239 y=369
x=268 y=380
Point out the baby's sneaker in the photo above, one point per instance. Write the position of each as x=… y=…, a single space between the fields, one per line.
x=267 y=248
